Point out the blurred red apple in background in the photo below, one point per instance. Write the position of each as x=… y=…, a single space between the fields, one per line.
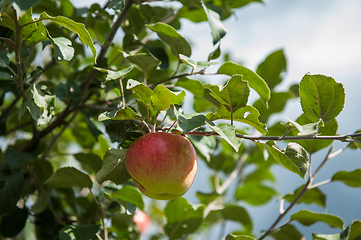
x=142 y=220
x=162 y=165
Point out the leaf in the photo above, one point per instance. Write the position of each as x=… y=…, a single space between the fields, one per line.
x=352 y=179
x=313 y=195
x=307 y=218
x=253 y=79
x=144 y=93
x=233 y=95
x=11 y=192
x=42 y=201
x=89 y=161
x=294 y=157
x=119 y=114
x=255 y=194
x=68 y=177
x=63 y=49
x=215 y=54
x=312 y=146
x=4 y=59
x=182 y=218
x=113 y=167
x=190 y=122
x=75 y=27
x=247 y=114
x=15 y=159
x=82 y=232
x=144 y=60
x=352 y=232
x=25 y=4
x=160 y=54
x=228 y=133
x=239 y=237
x=259 y=175
x=218 y=30
x=13 y=223
x=163 y=98
x=272 y=67
x=131 y=195
x=111 y=75
x=237 y=214
x=7 y=21
x=205 y=146
x=321 y=97
x=171 y=37
x=195 y=64
x=287 y=232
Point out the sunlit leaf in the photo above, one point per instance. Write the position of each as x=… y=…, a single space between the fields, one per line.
x=233 y=94
x=119 y=114
x=313 y=195
x=255 y=194
x=352 y=232
x=237 y=214
x=247 y=114
x=352 y=178
x=171 y=37
x=227 y=132
x=294 y=157
x=111 y=75
x=63 y=49
x=307 y=218
x=144 y=93
x=321 y=97
x=218 y=30
x=287 y=232
x=253 y=79
x=131 y=195
x=163 y=98
x=239 y=237
x=195 y=64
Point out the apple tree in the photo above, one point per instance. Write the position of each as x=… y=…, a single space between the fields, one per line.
x=80 y=85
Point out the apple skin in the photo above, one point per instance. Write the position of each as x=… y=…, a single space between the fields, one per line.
x=162 y=165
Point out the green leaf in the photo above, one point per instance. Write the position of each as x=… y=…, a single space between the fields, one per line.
x=171 y=37
x=82 y=232
x=228 y=133
x=42 y=103
x=190 y=122
x=233 y=95
x=205 y=146
x=253 y=79
x=160 y=54
x=111 y=75
x=182 y=218
x=131 y=195
x=313 y=195
x=218 y=30
x=239 y=237
x=144 y=93
x=215 y=54
x=255 y=194
x=163 y=98
x=287 y=232
x=113 y=167
x=195 y=64
x=247 y=114
x=4 y=59
x=352 y=232
x=14 y=159
x=42 y=201
x=321 y=97
x=294 y=157
x=7 y=21
x=11 y=192
x=13 y=223
x=91 y=126
x=63 y=49
x=119 y=114
x=89 y=161
x=144 y=60
x=272 y=67
x=259 y=175
x=75 y=27
x=312 y=146
x=307 y=218
x=237 y=214
x=352 y=179
x=68 y=177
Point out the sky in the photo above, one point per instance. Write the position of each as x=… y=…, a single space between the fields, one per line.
x=318 y=37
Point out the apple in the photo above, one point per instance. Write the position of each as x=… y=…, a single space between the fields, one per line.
x=162 y=165
x=142 y=220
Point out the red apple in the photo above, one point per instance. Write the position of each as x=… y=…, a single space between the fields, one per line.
x=142 y=220
x=162 y=165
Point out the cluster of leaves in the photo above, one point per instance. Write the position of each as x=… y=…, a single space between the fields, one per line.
x=63 y=177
